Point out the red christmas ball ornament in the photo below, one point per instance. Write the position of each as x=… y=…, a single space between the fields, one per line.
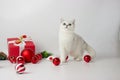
x=35 y=59
x=56 y=61
x=27 y=54
x=66 y=58
x=50 y=58
x=39 y=56
x=12 y=59
x=24 y=36
x=87 y=58
x=20 y=59
x=20 y=68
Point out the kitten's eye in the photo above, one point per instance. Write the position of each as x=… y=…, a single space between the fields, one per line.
x=64 y=23
x=69 y=24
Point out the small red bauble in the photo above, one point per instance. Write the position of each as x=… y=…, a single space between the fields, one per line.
x=27 y=54
x=20 y=68
x=39 y=56
x=20 y=59
x=56 y=61
x=34 y=59
x=66 y=58
x=50 y=58
x=12 y=59
x=87 y=58
x=24 y=36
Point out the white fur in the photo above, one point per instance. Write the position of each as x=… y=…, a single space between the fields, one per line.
x=72 y=44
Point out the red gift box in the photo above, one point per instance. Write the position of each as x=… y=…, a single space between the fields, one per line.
x=14 y=50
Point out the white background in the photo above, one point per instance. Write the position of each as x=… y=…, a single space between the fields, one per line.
x=97 y=21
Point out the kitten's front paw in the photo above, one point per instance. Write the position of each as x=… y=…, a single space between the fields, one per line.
x=78 y=59
x=63 y=60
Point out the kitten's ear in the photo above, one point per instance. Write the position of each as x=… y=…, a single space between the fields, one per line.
x=61 y=20
x=73 y=21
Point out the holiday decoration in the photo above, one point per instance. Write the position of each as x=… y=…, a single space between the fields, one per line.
x=27 y=54
x=45 y=54
x=3 y=56
x=20 y=59
x=39 y=56
x=18 y=41
x=50 y=58
x=23 y=36
x=12 y=59
x=56 y=61
x=36 y=58
x=87 y=58
x=16 y=45
x=20 y=68
x=66 y=58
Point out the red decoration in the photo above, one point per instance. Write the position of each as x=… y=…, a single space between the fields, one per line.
x=34 y=59
x=24 y=36
x=14 y=50
x=12 y=59
x=56 y=61
x=50 y=58
x=39 y=56
x=87 y=58
x=20 y=68
x=20 y=59
x=27 y=54
x=66 y=58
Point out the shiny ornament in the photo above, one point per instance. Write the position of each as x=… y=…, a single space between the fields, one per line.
x=27 y=54
x=50 y=58
x=20 y=59
x=56 y=61
x=24 y=36
x=35 y=59
x=39 y=56
x=87 y=58
x=20 y=68
x=66 y=58
x=12 y=59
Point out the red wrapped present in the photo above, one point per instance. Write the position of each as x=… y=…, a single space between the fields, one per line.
x=16 y=45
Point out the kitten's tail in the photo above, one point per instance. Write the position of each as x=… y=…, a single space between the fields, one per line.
x=91 y=51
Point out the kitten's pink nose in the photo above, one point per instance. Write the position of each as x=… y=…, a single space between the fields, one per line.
x=66 y=26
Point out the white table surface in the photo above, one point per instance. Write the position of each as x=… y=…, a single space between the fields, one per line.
x=100 y=69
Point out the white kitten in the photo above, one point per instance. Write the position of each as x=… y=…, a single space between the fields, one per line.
x=72 y=44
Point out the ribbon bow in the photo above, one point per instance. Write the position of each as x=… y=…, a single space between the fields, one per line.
x=22 y=39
